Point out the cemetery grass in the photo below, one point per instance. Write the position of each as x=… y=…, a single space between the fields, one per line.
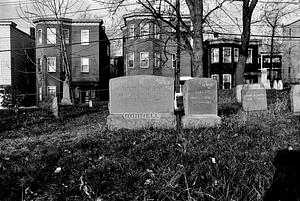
x=79 y=159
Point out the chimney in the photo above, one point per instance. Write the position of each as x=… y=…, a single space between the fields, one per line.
x=32 y=32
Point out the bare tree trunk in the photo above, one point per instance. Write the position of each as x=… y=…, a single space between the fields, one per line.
x=247 y=15
x=196 y=13
x=271 y=54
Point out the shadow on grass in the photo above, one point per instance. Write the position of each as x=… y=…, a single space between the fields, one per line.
x=286 y=180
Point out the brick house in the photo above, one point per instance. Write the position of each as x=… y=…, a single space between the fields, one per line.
x=17 y=56
x=149 y=48
x=221 y=57
x=291 y=53
x=87 y=50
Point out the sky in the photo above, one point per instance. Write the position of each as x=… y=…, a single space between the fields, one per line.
x=10 y=10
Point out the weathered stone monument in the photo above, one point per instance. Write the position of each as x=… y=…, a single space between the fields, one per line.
x=254 y=98
x=141 y=101
x=263 y=78
x=54 y=107
x=280 y=85
x=240 y=87
x=66 y=100
x=200 y=103
x=295 y=98
x=275 y=85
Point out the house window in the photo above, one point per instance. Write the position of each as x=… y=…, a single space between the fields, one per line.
x=144 y=30
x=235 y=55
x=66 y=36
x=226 y=81
x=156 y=31
x=156 y=60
x=249 y=58
x=51 y=64
x=51 y=90
x=39 y=64
x=130 y=31
x=174 y=61
x=39 y=36
x=144 y=59
x=226 y=54
x=51 y=35
x=85 y=65
x=214 y=55
x=130 y=60
x=85 y=37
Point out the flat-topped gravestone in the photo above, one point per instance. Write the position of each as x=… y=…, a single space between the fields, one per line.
x=240 y=87
x=141 y=101
x=295 y=98
x=254 y=99
x=200 y=103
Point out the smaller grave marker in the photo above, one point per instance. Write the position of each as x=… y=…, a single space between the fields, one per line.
x=295 y=98
x=254 y=99
x=200 y=103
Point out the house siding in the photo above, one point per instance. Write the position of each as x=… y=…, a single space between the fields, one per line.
x=84 y=83
x=17 y=68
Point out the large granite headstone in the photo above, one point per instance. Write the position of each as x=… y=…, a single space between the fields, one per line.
x=240 y=87
x=295 y=98
x=141 y=101
x=254 y=98
x=200 y=103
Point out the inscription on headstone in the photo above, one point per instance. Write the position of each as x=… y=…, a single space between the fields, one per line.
x=200 y=103
x=295 y=98
x=240 y=87
x=254 y=99
x=141 y=101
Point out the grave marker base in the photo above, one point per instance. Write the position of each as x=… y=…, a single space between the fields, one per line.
x=118 y=121
x=198 y=121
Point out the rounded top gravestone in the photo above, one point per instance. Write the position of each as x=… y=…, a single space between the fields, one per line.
x=200 y=96
x=141 y=94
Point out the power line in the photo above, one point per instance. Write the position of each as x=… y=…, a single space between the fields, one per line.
x=133 y=37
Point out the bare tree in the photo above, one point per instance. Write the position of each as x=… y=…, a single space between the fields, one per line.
x=274 y=12
x=57 y=9
x=198 y=14
x=248 y=8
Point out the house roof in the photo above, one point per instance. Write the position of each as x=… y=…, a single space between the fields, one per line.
x=235 y=40
x=68 y=20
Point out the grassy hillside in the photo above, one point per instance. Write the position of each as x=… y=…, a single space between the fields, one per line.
x=77 y=158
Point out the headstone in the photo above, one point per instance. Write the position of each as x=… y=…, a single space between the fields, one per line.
x=295 y=98
x=275 y=85
x=280 y=85
x=268 y=86
x=90 y=103
x=66 y=100
x=254 y=98
x=200 y=103
x=240 y=87
x=54 y=107
x=141 y=101
x=264 y=74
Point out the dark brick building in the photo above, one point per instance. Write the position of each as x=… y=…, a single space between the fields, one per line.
x=221 y=57
x=17 y=66
x=149 y=48
x=87 y=50
x=264 y=61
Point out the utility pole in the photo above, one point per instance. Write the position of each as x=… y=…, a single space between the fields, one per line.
x=178 y=51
